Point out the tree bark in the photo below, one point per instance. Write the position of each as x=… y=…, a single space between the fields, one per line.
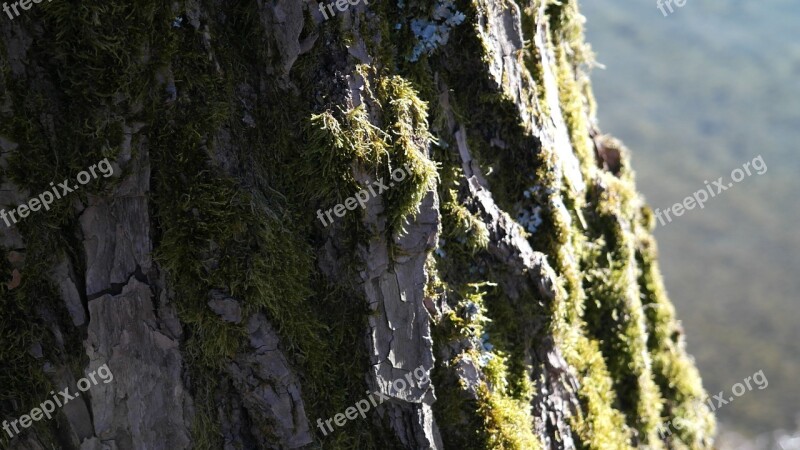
x=509 y=277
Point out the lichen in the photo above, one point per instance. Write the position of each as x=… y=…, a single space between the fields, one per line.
x=435 y=32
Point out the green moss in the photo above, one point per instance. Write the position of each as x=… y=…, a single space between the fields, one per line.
x=206 y=429
x=566 y=28
x=336 y=144
x=615 y=318
x=574 y=107
x=562 y=234
x=675 y=373
x=507 y=419
x=407 y=118
x=598 y=425
x=253 y=238
x=458 y=223
x=400 y=143
x=455 y=410
x=497 y=414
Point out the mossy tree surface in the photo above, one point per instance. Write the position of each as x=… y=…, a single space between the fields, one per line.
x=534 y=292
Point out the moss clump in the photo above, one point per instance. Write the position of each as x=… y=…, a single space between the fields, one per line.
x=496 y=412
x=566 y=29
x=507 y=415
x=399 y=143
x=598 y=425
x=674 y=370
x=615 y=316
x=218 y=237
x=458 y=223
x=335 y=143
x=574 y=106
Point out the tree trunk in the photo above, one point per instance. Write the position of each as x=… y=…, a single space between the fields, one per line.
x=311 y=205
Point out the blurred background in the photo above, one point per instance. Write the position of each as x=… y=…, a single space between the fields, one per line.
x=695 y=95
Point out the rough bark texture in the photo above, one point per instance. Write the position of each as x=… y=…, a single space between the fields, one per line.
x=510 y=271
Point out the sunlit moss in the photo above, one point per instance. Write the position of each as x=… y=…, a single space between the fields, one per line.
x=499 y=413
x=675 y=372
x=400 y=144
x=574 y=106
x=458 y=223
